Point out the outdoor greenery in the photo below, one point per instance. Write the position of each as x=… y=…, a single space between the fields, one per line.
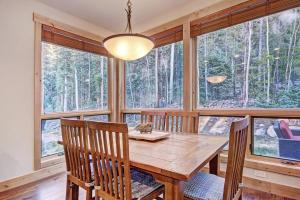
x=155 y=81
x=261 y=62
x=72 y=80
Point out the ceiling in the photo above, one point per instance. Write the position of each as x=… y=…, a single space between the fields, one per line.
x=110 y=14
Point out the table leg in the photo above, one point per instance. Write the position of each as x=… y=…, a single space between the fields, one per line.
x=173 y=188
x=214 y=165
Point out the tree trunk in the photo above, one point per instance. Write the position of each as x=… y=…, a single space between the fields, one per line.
x=172 y=72
x=156 y=77
x=148 y=78
x=205 y=69
x=268 y=60
x=292 y=58
x=76 y=88
x=260 y=48
x=102 y=83
x=130 y=88
x=65 y=94
x=89 y=79
x=248 y=65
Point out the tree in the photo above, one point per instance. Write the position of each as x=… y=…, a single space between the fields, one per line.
x=248 y=65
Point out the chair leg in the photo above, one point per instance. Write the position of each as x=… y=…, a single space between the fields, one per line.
x=89 y=194
x=74 y=192
x=68 y=189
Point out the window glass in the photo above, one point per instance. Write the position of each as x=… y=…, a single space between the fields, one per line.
x=156 y=80
x=51 y=133
x=278 y=138
x=100 y=118
x=219 y=126
x=132 y=119
x=253 y=64
x=72 y=80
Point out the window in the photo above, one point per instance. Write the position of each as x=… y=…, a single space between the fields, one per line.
x=72 y=80
x=132 y=119
x=220 y=126
x=278 y=138
x=50 y=135
x=74 y=84
x=253 y=64
x=156 y=80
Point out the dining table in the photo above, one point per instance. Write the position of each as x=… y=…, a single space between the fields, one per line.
x=176 y=159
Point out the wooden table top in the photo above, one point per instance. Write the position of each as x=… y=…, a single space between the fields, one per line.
x=180 y=156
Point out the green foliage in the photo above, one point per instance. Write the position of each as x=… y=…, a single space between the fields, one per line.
x=228 y=52
x=72 y=79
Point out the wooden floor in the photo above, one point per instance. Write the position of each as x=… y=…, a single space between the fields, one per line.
x=54 y=189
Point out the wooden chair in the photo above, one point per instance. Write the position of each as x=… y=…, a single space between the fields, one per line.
x=157 y=118
x=110 y=156
x=75 y=142
x=207 y=186
x=181 y=121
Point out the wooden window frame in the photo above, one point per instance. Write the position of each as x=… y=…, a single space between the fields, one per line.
x=271 y=164
x=39 y=20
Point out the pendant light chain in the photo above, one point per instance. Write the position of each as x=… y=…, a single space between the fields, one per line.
x=128 y=11
x=128 y=46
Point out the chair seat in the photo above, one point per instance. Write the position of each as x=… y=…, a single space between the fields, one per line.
x=204 y=186
x=142 y=184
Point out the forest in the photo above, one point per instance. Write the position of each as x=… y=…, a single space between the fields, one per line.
x=156 y=80
x=260 y=60
x=72 y=80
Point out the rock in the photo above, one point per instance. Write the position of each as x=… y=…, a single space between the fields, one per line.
x=271 y=132
x=259 y=132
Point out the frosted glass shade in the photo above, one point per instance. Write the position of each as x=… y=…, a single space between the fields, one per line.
x=216 y=79
x=128 y=46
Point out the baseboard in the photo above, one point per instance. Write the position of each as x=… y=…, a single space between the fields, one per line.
x=273 y=188
x=32 y=177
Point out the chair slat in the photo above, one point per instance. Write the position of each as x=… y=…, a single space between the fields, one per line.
x=76 y=147
x=184 y=121
x=236 y=157
x=111 y=147
x=157 y=118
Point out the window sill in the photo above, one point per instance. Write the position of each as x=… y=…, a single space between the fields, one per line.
x=269 y=164
x=52 y=160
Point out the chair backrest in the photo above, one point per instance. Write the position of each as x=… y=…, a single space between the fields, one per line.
x=285 y=130
x=110 y=154
x=157 y=118
x=75 y=142
x=236 y=158
x=181 y=121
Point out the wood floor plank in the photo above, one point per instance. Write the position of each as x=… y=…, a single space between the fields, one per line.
x=53 y=188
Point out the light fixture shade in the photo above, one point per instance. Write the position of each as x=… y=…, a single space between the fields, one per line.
x=128 y=46
x=216 y=79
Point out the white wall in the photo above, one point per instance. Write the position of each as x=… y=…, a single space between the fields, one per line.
x=17 y=80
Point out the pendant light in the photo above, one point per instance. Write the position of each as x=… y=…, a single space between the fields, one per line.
x=128 y=46
x=216 y=79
